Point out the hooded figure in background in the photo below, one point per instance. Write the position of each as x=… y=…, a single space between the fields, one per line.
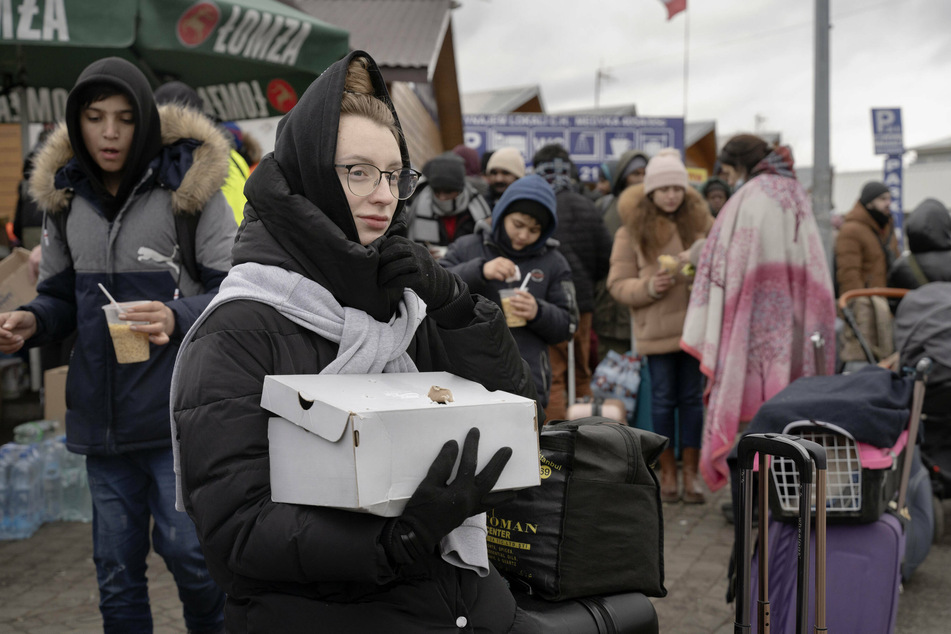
x=928 y=259
x=238 y=170
x=517 y=246
x=323 y=282
x=612 y=320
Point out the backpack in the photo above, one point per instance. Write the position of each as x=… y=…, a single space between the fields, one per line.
x=186 y=227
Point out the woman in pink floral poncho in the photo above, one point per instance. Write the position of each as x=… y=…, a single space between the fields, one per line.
x=761 y=290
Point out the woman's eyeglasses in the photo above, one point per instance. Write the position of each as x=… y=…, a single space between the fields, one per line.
x=363 y=178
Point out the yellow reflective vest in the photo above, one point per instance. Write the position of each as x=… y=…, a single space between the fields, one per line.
x=233 y=189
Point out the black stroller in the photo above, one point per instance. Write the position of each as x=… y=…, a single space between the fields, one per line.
x=923 y=328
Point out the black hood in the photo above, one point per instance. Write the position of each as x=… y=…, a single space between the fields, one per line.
x=146 y=140
x=618 y=181
x=297 y=198
x=929 y=227
x=180 y=93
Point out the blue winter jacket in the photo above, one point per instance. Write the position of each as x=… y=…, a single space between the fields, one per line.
x=114 y=408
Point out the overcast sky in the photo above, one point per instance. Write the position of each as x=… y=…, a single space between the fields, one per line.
x=747 y=59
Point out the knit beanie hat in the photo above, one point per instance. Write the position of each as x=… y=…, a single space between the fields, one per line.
x=665 y=169
x=470 y=157
x=715 y=184
x=531 y=208
x=871 y=191
x=508 y=159
x=446 y=172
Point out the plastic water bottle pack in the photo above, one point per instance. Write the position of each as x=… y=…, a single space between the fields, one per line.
x=40 y=482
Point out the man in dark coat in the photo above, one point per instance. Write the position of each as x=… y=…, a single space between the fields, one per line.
x=586 y=244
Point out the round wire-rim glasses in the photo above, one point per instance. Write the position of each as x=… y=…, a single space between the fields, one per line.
x=363 y=178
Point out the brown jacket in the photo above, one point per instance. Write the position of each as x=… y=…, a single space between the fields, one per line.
x=860 y=260
x=658 y=323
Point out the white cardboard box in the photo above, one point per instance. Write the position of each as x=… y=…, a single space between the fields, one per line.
x=365 y=441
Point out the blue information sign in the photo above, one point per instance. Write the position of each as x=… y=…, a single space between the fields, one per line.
x=886 y=128
x=590 y=139
x=893 y=180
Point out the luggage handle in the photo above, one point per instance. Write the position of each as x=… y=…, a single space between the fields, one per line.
x=819 y=352
x=819 y=458
x=922 y=370
x=849 y=316
x=880 y=291
x=803 y=454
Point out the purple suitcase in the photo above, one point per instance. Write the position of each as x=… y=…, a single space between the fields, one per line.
x=863 y=571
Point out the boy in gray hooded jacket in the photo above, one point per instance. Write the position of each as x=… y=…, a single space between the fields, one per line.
x=111 y=180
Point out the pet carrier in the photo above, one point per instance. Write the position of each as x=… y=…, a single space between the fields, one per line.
x=860 y=482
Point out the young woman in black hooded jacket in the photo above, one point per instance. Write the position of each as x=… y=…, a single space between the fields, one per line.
x=322 y=236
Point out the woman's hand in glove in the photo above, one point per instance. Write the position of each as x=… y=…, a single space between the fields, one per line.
x=437 y=508
x=406 y=264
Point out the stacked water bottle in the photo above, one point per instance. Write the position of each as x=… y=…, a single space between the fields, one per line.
x=40 y=481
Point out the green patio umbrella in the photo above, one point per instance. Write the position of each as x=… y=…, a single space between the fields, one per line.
x=248 y=59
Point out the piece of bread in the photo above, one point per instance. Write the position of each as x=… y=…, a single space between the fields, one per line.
x=669 y=263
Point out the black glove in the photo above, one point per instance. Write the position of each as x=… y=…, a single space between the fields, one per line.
x=437 y=508
x=406 y=264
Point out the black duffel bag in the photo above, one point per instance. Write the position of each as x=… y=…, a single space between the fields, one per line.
x=595 y=524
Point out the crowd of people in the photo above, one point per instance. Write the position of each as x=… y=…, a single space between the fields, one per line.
x=718 y=287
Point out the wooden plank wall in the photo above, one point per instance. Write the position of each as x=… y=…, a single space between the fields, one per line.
x=11 y=171
x=422 y=134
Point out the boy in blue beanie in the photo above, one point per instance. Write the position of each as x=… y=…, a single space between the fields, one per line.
x=518 y=244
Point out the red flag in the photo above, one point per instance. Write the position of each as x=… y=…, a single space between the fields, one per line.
x=674 y=7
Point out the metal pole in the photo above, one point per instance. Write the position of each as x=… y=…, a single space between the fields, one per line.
x=597 y=88
x=686 y=62
x=822 y=170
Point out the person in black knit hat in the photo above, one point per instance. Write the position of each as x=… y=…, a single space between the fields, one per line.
x=866 y=245
x=716 y=192
x=865 y=249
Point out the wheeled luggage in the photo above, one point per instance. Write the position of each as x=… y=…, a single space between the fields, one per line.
x=863 y=569
x=627 y=613
x=805 y=455
x=864 y=560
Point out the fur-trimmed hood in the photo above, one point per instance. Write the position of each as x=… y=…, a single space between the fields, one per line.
x=205 y=176
x=695 y=223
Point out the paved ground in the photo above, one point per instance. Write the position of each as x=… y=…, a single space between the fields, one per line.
x=48 y=583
